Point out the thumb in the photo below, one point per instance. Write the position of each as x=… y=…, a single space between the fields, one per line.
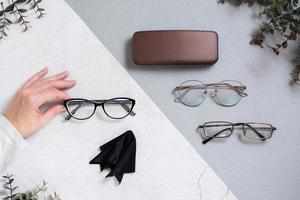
x=52 y=112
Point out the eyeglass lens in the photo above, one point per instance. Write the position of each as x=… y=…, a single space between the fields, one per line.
x=81 y=109
x=225 y=95
x=191 y=95
x=265 y=131
x=118 y=108
x=212 y=128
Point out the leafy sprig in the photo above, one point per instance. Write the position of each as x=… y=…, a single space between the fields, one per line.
x=296 y=72
x=19 y=8
x=8 y=185
x=34 y=194
x=4 y=22
x=280 y=17
x=20 y=11
x=35 y=5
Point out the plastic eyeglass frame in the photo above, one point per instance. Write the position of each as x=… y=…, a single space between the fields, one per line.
x=101 y=103
x=239 y=89
x=232 y=127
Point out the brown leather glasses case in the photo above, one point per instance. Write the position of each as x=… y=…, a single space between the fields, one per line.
x=175 y=47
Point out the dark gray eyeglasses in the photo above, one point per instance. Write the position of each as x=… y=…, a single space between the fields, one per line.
x=116 y=108
x=221 y=129
x=226 y=93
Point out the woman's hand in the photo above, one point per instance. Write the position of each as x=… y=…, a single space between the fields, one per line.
x=24 y=110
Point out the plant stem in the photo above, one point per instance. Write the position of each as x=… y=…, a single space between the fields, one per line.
x=11 y=191
x=38 y=9
x=9 y=183
x=3 y=21
x=23 y=22
x=39 y=189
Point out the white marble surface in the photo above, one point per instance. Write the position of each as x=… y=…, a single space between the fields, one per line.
x=167 y=167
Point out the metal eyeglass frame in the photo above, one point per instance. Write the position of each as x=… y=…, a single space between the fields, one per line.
x=221 y=85
x=118 y=100
x=232 y=127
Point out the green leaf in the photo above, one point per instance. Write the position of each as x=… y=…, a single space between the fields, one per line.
x=5 y=187
x=25 y=29
x=22 y=196
x=29 y=194
x=22 y=10
x=20 y=1
x=10 y=8
x=14 y=188
x=14 y=195
x=33 y=6
x=8 y=21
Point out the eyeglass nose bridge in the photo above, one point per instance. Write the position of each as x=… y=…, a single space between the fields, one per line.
x=213 y=93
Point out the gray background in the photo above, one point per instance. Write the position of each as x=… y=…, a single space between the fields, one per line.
x=252 y=171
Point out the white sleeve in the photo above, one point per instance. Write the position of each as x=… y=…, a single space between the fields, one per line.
x=11 y=142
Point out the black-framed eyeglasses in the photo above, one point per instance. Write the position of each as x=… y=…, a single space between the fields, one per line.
x=222 y=129
x=115 y=108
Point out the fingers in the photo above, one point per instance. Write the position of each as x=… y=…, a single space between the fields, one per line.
x=58 y=84
x=36 y=77
x=51 y=94
x=51 y=113
x=60 y=76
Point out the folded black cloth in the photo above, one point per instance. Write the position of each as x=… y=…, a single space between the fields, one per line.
x=118 y=155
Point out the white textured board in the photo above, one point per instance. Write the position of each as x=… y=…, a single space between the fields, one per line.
x=167 y=167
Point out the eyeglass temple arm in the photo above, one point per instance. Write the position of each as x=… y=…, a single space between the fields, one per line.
x=68 y=117
x=215 y=135
x=240 y=91
x=128 y=109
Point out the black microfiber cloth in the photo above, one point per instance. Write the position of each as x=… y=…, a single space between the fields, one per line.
x=118 y=155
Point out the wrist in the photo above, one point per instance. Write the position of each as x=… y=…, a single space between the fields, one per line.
x=14 y=124
x=7 y=128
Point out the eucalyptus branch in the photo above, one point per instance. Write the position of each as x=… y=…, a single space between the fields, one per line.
x=40 y=189
x=4 y=22
x=283 y=18
x=296 y=74
x=14 y=8
x=22 y=17
x=39 y=10
x=9 y=186
x=56 y=197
